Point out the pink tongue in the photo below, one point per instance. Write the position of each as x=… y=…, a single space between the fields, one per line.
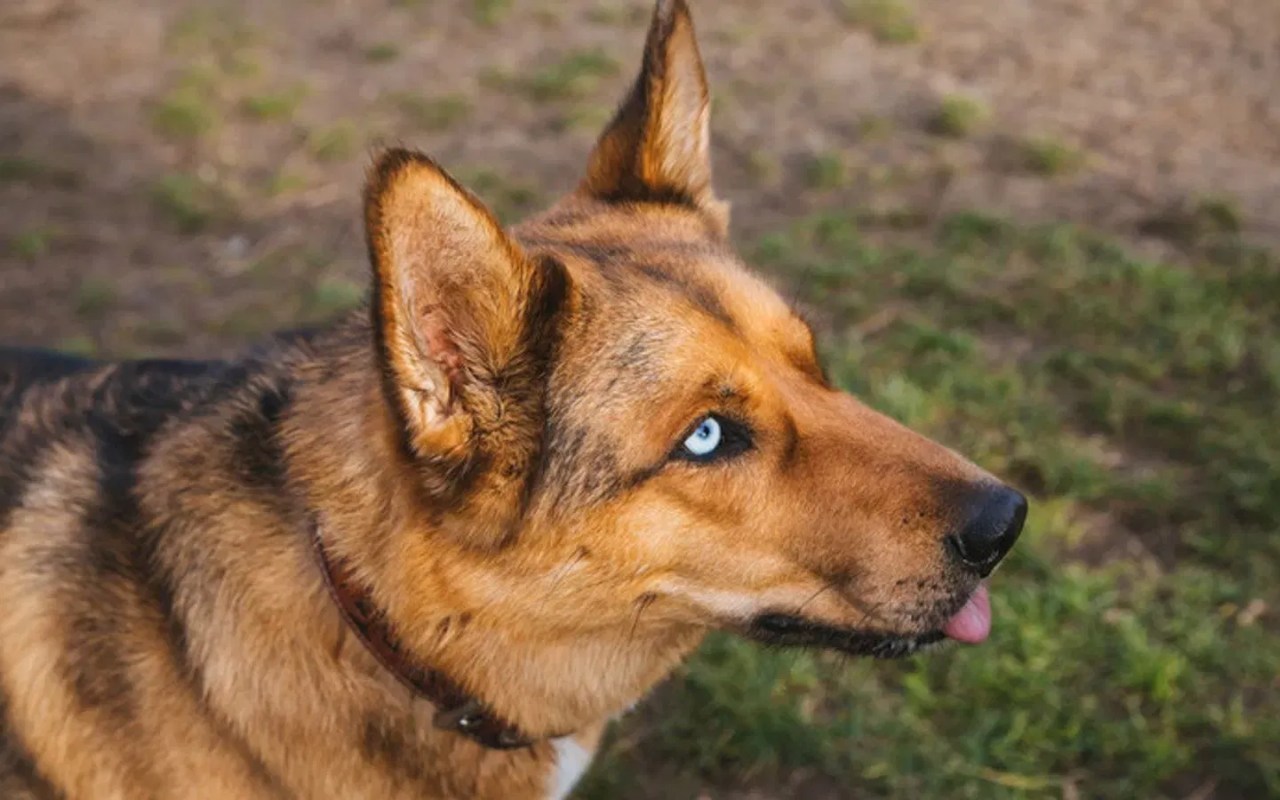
x=972 y=624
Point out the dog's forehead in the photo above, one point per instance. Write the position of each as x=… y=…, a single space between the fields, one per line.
x=662 y=267
x=663 y=310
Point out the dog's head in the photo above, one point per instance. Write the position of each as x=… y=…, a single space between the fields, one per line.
x=622 y=431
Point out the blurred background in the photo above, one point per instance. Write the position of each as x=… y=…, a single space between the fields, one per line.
x=1043 y=233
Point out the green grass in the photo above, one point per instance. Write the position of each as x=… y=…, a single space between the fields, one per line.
x=1207 y=219
x=1050 y=157
x=25 y=169
x=617 y=12
x=874 y=126
x=1135 y=401
x=331 y=297
x=889 y=21
x=381 y=53
x=31 y=244
x=284 y=182
x=337 y=142
x=826 y=171
x=78 y=346
x=957 y=117
x=274 y=106
x=433 y=113
x=573 y=77
x=189 y=203
x=187 y=112
x=489 y=12
x=94 y=297
x=509 y=199
x=1220 y=214
x=18 y=169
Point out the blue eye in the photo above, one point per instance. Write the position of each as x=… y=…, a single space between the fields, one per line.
x=705 y=438
x=713 y=439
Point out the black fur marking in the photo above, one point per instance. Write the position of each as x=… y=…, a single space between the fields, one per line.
x=384 y=743
x=20 y=450
x=580 y=468
x=20 y=778
x=256 y=448
x=122 y=575
x=124 y=589
x=565 y=218
x=600 y=253
x=790 y=441
x=21 y=367
x=701 y=296
x=20 y=447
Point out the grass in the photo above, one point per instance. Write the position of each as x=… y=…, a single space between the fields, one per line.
x=78 y=346
x=24 y=169
x=889 y=21
x=825 y=171
x=94 y=297
x=1134 y=400
x=32 y=244
x=573 y=77
x=617 y=12
x=284 y=182
x=590 y=117
x=274 y=106
x=1220 y=214
x=433 y=113
x=510 y=200
x=189 y=203
x=334 y=143
x=957 y=117
x=874 y=126
x=331 y=297
x=381 y=53
x=188 y=112
x=1049 y=156
x=19 y=169
x=1195 y=223
x=489 y=12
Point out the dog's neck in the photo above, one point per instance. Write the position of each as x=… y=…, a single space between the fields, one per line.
x=456 y=709
x=482 y=618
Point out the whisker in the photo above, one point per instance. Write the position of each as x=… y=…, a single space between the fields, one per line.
x=642 y=604
x=813 y=597
x=561 y=574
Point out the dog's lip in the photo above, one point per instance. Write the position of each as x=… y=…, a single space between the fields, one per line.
x=969 y=624
x=789 y=630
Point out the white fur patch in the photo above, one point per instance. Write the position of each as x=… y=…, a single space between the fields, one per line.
x=572 y=760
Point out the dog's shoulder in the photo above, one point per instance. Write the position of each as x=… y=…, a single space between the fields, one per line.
x=114 y=412
x=46 y=394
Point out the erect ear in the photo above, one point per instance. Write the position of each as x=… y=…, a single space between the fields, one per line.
x=464 y=322
x=658 y=146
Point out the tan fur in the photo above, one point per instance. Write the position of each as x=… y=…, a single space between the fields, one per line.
x=495 y=451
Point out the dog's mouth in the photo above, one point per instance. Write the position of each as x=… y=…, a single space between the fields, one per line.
x=970 y=624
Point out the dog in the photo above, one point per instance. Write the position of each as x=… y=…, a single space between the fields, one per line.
x=431 y=550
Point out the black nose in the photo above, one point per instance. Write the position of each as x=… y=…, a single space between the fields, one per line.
x=991 y=530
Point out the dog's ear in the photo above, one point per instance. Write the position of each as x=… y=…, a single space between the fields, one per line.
x=658 y=146
x=464 y=322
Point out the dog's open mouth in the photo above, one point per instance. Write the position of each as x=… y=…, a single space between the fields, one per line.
x=970 y=625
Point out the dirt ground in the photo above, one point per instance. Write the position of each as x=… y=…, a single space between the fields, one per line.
x=184 y=174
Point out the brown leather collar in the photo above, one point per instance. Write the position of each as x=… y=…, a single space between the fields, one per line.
x=456 y=710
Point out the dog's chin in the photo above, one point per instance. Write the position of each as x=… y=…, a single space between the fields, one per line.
x=786 y=630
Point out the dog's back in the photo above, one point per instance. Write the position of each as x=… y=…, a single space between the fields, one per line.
x=87 y=608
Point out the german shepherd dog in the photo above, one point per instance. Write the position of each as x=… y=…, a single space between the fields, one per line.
x=430 y=551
